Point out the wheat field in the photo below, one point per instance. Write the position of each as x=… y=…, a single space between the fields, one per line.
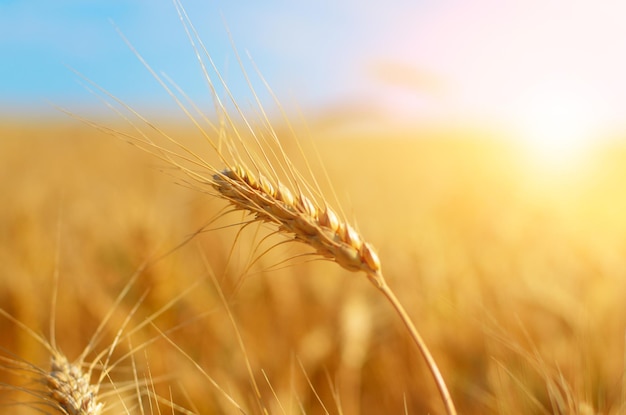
x=515 y=281
x=232 y=263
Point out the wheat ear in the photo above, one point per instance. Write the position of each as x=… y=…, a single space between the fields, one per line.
x=65 y=386
x=300 y=216
x=295 y=214
x=305 y=221
x=70 y=388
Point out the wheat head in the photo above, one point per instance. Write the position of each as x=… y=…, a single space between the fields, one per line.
x=251 y=190
x=298 y=215
x=320 y=228
x=70 y=388
x=64 y=385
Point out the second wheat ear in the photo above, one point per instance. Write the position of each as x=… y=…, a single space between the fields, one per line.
x=70 y=388
x=301 y=218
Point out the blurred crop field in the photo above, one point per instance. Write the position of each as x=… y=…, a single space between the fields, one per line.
x=514 y=274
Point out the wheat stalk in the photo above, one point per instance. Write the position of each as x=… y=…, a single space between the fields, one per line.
x=320 y=228
x=295 y=214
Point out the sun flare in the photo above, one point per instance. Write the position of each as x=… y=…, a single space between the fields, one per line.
x=559 y=125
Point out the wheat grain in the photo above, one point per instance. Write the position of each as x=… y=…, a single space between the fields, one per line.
x=70 y=388
x=298 y=215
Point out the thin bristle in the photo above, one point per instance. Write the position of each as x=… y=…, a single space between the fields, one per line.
x=70 y=388
x=299 y=216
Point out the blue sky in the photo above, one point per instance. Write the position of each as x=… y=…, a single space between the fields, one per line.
x=550 y=70
x=309 y=51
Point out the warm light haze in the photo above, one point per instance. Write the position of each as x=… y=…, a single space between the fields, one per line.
x=549 y=73
x=343 y=207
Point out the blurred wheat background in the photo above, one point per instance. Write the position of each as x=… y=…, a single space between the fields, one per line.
x=508 y=253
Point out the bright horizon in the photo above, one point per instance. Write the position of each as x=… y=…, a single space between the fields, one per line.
x=549 y=72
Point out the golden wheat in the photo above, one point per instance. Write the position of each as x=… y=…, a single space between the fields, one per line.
x=65 y=386
x=70 y=388
x=294 y=213
x=316 y=226
x=96 y=382
x=320 y=228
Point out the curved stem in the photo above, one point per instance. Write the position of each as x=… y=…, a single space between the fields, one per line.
x=417 y=339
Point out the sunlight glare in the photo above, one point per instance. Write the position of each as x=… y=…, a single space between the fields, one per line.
x=558 y=125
